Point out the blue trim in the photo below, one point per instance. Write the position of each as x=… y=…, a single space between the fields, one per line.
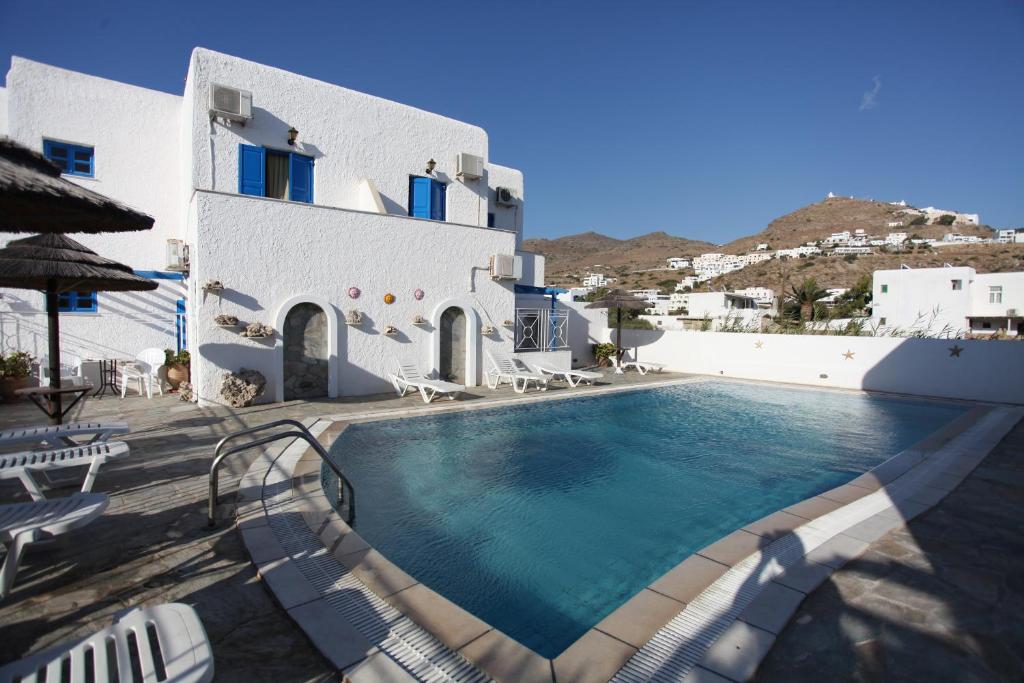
x=64 y=154
x=180 y=325
x=160 y=275
x=530 y=289
x=252 y=169
x=77 y=302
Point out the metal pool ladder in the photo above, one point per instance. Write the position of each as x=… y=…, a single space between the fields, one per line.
x=298 y=431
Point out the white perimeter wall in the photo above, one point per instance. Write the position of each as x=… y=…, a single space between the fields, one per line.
x=267 y=252
x=984 y=370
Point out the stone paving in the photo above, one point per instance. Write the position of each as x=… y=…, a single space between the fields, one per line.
x=152 y=545
x=939 y=600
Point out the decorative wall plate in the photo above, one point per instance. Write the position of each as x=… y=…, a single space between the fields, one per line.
x=389 y=298
x=353 y=292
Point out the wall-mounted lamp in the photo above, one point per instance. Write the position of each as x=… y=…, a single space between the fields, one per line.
x=292 y=135
x=431 y=165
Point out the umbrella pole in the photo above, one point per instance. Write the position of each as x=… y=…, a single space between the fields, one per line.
x=618 y=341
x=53 y=325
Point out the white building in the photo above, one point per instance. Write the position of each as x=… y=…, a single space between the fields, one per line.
x=837 y=238
x=851 y=250
x=688 y=282
x=369 y=206
x=933 y=214
x=763 y=246
x=797 y=252
x=948 y=301
x=1011 y=236
x=763 y=296
x=678 y=262
x=896 y=238
x=715 y=309
x=957 y=238
x=593 y=280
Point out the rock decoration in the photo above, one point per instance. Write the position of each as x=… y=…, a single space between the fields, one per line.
x=225 y=320
x=419 y=320
x=258 y=331
x=353 y=292
x=390 y=330
x=418 y=294
x=508 y=323
x=241 y=388
x=487 y=329
x=213 y=286
x=186 y=392
x=353 y=317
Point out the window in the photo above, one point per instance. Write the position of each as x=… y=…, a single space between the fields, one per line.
x=72 y=159
x=76 y=302
x=490 y=220
x=995 y=295
x=427 y=198
x=958 y=285
x=266 y=172
x=986 y=326
x=881 y=321
x=885 y=289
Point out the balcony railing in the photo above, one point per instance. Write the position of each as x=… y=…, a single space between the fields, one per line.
x=541 y=329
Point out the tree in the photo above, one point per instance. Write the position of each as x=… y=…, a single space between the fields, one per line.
x=805 y=295
x=855 y=300
x=946 y=219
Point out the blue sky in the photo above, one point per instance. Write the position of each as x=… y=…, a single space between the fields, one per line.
x=704 y=120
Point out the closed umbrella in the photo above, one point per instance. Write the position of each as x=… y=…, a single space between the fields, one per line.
x=35 y=198
x=619 y=299
x=55 y=264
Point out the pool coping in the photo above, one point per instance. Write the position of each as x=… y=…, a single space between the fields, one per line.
x=619 y=639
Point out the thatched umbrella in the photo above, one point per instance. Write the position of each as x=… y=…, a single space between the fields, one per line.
x=35 y=198
x=55 y=264
x=619 y=299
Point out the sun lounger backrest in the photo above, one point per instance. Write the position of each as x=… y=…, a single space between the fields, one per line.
x=409 y=371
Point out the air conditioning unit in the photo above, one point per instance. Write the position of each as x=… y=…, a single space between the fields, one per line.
x=1011 y=313
x=471 y=167
x=177 y=256
x=506 y=267
x=230 y=103
x=505 y=196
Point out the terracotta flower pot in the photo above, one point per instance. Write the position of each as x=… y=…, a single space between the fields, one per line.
x=8 y=385
x=176 y=374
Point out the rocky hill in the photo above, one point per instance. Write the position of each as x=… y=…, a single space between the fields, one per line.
x=835 y=214
x=640 y=262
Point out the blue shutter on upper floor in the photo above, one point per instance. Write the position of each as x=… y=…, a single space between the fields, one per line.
x=419 y=197
x=301 y=180
x=252 y=169
x=437 y=200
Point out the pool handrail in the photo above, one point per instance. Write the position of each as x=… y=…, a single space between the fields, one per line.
x=300 y=432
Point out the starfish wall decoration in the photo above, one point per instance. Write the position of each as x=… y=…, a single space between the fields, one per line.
x=848 y=355
x=955 y=350
x=759 y=345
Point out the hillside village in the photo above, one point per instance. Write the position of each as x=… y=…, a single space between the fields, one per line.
x=840 y=242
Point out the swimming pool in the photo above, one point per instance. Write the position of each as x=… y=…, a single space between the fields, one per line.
x=543 y=518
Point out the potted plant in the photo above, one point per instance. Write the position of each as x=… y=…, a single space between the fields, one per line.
x=604 y=353
x=177 y=367
x=15 y=369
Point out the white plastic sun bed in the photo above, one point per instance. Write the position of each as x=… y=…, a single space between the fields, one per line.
x=163 y=643
x=504 y=369
x=410 y=377
x=573 y=377
x=25 y=523
x=642 y=367
x=58 y=436
x=22 y=465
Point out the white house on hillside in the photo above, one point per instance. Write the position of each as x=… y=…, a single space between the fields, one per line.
x=948 y=301
x=306 y=201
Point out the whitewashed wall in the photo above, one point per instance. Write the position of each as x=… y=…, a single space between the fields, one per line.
x=351 y=135
x=506 y=216
x=125 y=323
x=320 y=252
x=983 y=370
x=3 y=111
x=587 y=326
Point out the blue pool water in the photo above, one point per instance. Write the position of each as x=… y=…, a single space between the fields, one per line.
x=541 y=519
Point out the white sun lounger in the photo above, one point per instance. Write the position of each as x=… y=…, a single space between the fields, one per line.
x=410 y=377
x=58 y=436
x=22 y=465
x=642 y=367
x=573 y=377
x=181 y=654
x=504 y=369
x=25 y=523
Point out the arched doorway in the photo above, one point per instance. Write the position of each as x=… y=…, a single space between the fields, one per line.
x=452 y=365
x=306 y=352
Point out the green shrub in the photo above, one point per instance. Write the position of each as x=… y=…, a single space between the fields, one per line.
x=16 y=365
x=946 y=219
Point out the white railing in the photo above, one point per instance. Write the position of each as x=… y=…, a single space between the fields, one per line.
x=541 y=329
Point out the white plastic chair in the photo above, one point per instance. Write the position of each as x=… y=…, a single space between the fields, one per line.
x=22 y=524
x=573 y=377
x=163 y=643
x=504 y=369
x=144 y=370
x=70 y=371
x=410 y=377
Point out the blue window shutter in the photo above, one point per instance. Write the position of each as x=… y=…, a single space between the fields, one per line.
x=437 y=197
x=252 y=169
x=419 y=197
x=180 y=324
x=301 y=180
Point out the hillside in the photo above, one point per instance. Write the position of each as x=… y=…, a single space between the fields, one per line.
x=575 y=255
x=640 y=262
x=817 y=221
